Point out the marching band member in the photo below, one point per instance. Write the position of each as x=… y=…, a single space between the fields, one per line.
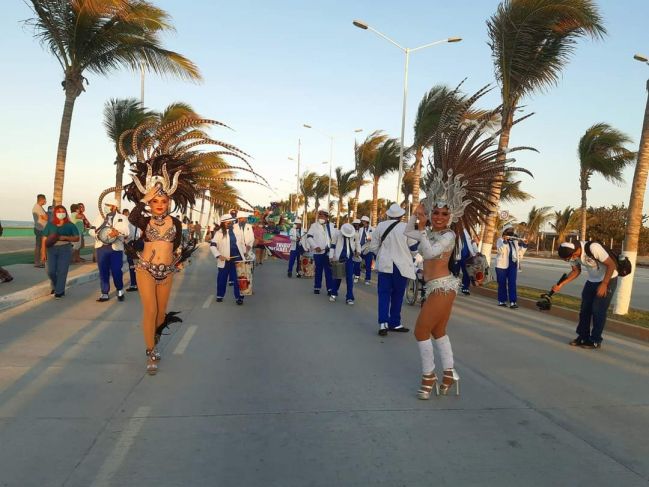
x=469 y=249
x=356 y=223
x=394 y=262
x=110 y=255
x=364 y=239
x=319 y=236
x=345 y=247
x=295 y=235
x=508 y=262
x=228 y=249
x=134 y=234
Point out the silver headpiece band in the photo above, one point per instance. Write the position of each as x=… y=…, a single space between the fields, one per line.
x=168 y=186
x=447 y=192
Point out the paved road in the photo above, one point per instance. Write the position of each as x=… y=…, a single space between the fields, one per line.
x=291 y=390
x=542 y=273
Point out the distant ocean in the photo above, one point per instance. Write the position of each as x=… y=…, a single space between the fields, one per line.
x=17 y=224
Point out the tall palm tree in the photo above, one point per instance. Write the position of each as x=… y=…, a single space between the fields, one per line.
x=531 y=41
x=100 y=36
x=345 y=184
x=563 y=221
x=407 y=185
x=120 y=115
x=511 y=190
x=601 y=151
x=536 y=218
x=363 y=156
x=385 y=161
x=308 y=183
x=321 y=190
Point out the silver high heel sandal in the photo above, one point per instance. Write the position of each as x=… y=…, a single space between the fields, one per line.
x=151 y=362
x=428 y=382
x=445 y=387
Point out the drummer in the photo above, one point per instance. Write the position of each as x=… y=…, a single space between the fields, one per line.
x=295 y=235
x=228 y=250
x=364 y=239
x=345 y=247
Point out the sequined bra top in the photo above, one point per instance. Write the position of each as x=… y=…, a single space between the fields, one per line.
x=153 y=234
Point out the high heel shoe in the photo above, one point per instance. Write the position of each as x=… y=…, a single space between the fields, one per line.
x=151 y=362
x=428 y=382
x=451 y=378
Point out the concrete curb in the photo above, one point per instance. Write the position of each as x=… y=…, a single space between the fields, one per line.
x=612 y=325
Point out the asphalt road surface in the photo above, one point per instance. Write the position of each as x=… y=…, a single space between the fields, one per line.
x=543 y=273
x=292 y=390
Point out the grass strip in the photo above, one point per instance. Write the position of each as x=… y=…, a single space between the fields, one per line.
x=27 y=257
x=634 y=317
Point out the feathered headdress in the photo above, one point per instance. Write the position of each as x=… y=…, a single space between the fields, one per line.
x=464 y=163
x=169 y=156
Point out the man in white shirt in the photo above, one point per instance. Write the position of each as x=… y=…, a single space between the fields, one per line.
x=394 y=263
x=110 y=256
x=295 y=234
x=598 y=290
x=40 y=220
x=244 y=233
x=319 y=237
x=364 y=240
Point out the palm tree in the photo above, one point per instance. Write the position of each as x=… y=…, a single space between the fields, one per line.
x=635 y=217
x=308 y=183
x=120 y=115
x=321 y=190
x=385 y=161
x=536 y=218
x=511 y=190
x=100 y=36
x=563 y=221
x=531 y=41
x=407 y=185
x=345 y=184
x=363 y=156
x=601 y=151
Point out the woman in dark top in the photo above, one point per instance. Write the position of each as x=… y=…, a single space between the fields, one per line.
x=56 y=248
x=162 y=235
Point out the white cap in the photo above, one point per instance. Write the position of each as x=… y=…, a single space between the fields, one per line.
x=322 y=210
x=298 y=221
x=347 y=230
x=395 y=211
x=110 y=202
x=568 y=245
x=243 y=214
x=356 y=221
x=365 y=218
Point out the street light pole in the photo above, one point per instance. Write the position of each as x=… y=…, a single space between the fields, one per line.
x=406 y=50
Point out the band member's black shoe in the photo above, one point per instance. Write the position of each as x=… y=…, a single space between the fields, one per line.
x=131 y=289
x=289 y=274
x=316 y=291
x=219 y=300
x=400 y=329
x=466 y=292
x=589 y=345
x=240 y=301
x=298 y=275
x=103 y=298
x=577 y=342
x=383 y=332
x=120 y=295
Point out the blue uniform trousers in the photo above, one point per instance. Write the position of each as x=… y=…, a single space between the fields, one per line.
x=321 y=262
x=227 y=272
x=507 y=283
x=592 y=306
x=391 y=288
x=131 y=270
x=466 y=280
x=349 y=279
x=293 y=257
x=368 y=258
x=109 y=262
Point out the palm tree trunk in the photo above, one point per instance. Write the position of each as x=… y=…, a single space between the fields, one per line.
x=416 y=177
x=634 y=219
x=340 y=208
x=119 y=177
x=358 y=195
x=490 y=224
x=582 y=231
x=71 y=95
x=200 y=217
x=375 y=200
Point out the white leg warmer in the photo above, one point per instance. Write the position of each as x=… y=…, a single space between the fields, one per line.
x=445 y=352
x=427 y=356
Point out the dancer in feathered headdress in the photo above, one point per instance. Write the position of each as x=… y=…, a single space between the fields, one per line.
x=458 y=185
x=167 y=167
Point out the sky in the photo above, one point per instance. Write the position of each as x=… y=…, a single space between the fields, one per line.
x=270 y=67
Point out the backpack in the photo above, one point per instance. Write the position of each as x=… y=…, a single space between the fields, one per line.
x=623 y=264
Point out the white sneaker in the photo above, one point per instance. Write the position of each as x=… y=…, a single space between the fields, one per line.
x=332 y=298
x=356 y=278
x=367 y=283
x=350 y=301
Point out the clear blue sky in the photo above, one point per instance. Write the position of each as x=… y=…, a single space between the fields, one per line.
x=269 y=67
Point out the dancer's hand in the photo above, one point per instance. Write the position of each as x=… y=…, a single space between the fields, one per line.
x=421 y=213
x=150 y=194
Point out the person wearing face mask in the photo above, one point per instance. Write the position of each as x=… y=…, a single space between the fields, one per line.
x=364 y=239
x=295 y=235
x=345 y=248
x=56 y=248
x=228 y=250
x=508 y=262
x=109 y=232
x=319 y=238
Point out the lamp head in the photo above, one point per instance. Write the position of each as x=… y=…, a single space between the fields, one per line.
x=360 y=24
x=454 y=39
x=640 y=57
x=307 y=126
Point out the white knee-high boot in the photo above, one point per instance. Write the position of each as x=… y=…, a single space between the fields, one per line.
x=427 y=356
x=445 y=352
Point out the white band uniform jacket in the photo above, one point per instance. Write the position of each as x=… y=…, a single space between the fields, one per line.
x=502 y=257
x=120 y=223
x=367 y=232
x=395 y=249
x=339 y=243
x=247 y=235
x=317 y=236
x=220 y=245
x=295 y=235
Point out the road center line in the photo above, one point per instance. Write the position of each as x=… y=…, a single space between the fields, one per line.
x=208 y=301
x=123 y=445
x=182 y=345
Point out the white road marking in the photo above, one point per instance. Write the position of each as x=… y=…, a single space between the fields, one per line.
x=123 y=445
x=180 y=348
x=208 y=301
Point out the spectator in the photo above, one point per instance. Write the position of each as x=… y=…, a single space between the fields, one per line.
x=76 y=246
x=81 y=215
x=134 y=233
x=56 y=248
x=4 y=274
x=40 y=220
x=198 y=231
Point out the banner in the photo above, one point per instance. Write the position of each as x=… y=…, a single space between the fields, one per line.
x=279 y=246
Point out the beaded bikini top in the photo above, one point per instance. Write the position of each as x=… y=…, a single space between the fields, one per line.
x=437 y=238
x=153 y=234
